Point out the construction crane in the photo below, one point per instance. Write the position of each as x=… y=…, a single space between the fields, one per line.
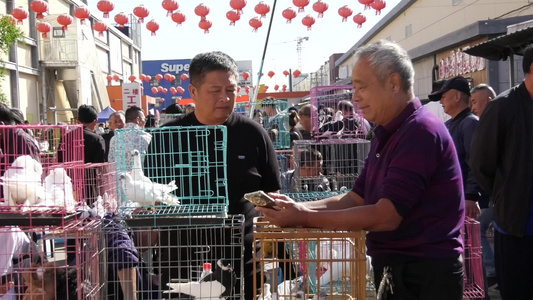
x=299 y=42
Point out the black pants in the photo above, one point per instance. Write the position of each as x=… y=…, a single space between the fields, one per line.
x=421 y=278
x=514 y=266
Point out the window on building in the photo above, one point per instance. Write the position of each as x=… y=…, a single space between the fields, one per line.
x=408 y=30
x=58 y=32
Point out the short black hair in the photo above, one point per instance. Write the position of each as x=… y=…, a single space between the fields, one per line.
x=174 y=108
x=87 y=114
x=310 y=156
x=207 y=62
x=528 y=58
x=6 y=115
x=132 y=113
x=18 y=116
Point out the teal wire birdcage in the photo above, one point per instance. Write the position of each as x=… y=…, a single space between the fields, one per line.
x=185 y=164
x=277 y=124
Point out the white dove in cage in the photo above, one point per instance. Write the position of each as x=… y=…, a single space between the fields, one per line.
x=137 y=173
x=59 y=192
x=148 y=193
x=339 y=252
x=22 y=183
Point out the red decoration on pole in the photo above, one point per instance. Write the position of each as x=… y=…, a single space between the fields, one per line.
x=100 y=27
x=180 y=90
x=178 y=17
x=44 y=28
x=116 y=77
x=296 y=73
x=359 y=19
x=205 y=24
x=345 y=12
x=170 y=6
x=233 y=16
x=301 y=4
x=262 y=8
x=289 y=14
x=245 y=75
x=320 y=7
x=378 y=5
x=122 y=19
x=20 y=13
x=184 y=77
x=105 y=6
x=64 y=20
x=154 y=90
x=141 y=12
x=109 y=78
x=132 y=78
x=286 y=73
x=271 y=74
x=308 y=21
x=255 y=23
x=153 y=26
x=202 y=11
x=40 y=7
x=238 y=5
x=82 y=13
x=366 y=3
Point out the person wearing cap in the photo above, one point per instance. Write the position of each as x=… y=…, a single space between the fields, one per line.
x=409 y=194
x=454 y=96
x=502 y=161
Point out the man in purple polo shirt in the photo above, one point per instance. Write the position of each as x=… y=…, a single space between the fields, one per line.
x=409 y=195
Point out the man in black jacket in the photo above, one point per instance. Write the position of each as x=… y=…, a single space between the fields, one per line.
x=502 y=161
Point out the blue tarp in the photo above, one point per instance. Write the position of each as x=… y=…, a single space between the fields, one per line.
x=103 y=116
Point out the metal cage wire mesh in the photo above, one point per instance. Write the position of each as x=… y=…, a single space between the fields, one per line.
x=473 y=263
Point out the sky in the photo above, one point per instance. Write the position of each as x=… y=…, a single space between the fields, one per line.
x=327 y=36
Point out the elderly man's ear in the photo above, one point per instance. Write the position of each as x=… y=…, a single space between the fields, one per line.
x=395 y=82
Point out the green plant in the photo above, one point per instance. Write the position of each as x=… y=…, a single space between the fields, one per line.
x=9 y=34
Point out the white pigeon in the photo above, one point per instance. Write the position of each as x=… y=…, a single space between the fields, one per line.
x=59 y=192
x=137 y=173
x=148 y=193
x=339 y=252
x=205 y=290
x=22 y=183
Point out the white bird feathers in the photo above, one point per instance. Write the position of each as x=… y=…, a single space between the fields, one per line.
x=59 y=191
x=199 y=289
x=22 y=183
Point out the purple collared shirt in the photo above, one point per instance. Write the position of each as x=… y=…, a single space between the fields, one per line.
x=413 y=163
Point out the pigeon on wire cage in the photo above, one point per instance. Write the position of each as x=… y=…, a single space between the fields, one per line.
x=22 y=183
x=148 y=193
x=59 y=192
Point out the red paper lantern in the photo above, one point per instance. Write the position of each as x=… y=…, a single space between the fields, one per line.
x=82 y=13
x=65 y=20
x=172 y=78
x=184 y=77
x=308 y=21
x=109 y=78
x=44 y=28
x=245 y=75
x=202 y=11
x=165 y=91
x=366 y=3
x=296 y=73
x=141 y=12
x=289 y=14
x=276 y=87
x=122 y=19
x=167 y=77
x=238 y=5
x=262 y=8
x=142 y=77
x=271 y=74
x=178 y=17
x=153 y=26
x=180 y=90
x=154 y=90
x=170 y=6
x=284 y=88
x=320 y=7
x=255 y=23
x=301 y=4
x=233 y=16
x=20 y=13
x=205 y=24
x=345 y=12
x=40 y=7
x=286 y=73
x=359 y=19
x=100 y=27
x=160 y=88
x=132 y=78
x=159 y=77
x=116 y=78
x=173 y=90
x=105 y=6
x=247 y=89
x=265 y=88
x=378 y=5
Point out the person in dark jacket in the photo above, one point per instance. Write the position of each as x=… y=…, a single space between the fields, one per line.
x=117 y=120
x=454 y=96
x=502 y=162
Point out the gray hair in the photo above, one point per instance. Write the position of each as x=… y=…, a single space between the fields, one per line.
x=207 y=62
x=386 y=57
x=484 y=87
